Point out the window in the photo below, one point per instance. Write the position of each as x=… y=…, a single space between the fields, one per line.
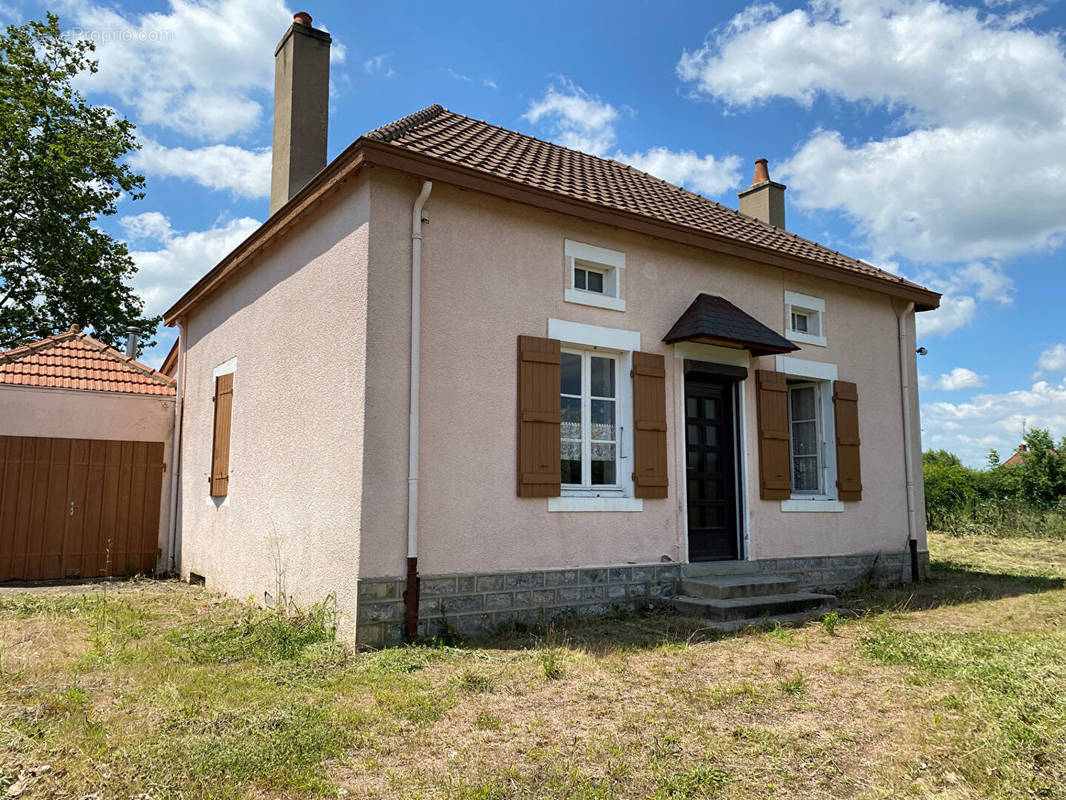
x=589 y=430
x=805 y=318
x=594 y=276
x=805 y=438
x=588 y=277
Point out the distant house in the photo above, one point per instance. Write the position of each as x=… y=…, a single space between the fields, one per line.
x=85 y=443
x=1019 y=456
x=464 y=374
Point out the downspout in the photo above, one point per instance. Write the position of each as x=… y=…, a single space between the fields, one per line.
x=908 y=465
x=410 y=594
x=175 y=453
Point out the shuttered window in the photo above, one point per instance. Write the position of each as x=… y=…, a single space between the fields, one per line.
x=649 y=424
x=538 y=417
x=846 y=412
x=220 y=446
x=774 y=462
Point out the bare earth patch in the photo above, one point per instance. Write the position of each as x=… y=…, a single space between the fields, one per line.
x=952 y=689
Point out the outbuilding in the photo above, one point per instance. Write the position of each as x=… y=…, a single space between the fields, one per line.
x=85 y=447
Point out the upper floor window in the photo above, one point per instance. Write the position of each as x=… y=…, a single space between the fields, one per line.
x=595 y=276
x=805 y=318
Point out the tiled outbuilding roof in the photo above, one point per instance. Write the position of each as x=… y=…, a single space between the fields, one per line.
x=471 y=143
x=715 y=319
x=74 y=360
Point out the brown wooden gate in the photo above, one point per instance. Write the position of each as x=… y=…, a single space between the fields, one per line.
x=78 y=508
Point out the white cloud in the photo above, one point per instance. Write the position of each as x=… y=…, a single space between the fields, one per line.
x=954 y=313
x=167 y=272
x=962 y=287
x=1052 y=360
x=993 y=420
x=976 y=173
x=706 y=174
x=958 y=378
x=379 y=65
x=577 y=119
x=201 y=68
x=151 y=225
x=488 y=83
x=582 y=121
x=221 y=167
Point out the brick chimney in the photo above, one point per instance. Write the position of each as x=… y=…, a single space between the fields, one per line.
x=301 y=108
x=764 y=199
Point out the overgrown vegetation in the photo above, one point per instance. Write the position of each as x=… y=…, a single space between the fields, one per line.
x=1026 y=499
x=955 y=689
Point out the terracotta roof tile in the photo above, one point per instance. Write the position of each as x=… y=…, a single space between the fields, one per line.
x=74 y=360
x=435 y=131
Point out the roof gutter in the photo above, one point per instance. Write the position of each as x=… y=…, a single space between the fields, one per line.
x=410 y=594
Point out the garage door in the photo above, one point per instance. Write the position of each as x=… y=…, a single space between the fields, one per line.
x=78 y=508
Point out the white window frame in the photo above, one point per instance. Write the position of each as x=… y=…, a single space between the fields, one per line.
x=811 y=307
x=819 y=424
x=609 y=263
x=824 y=374
x=587 y=488
x=598 y=339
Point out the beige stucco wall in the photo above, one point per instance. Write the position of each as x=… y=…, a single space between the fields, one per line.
x=493 y=270
x=296 y=326
x=77 y=414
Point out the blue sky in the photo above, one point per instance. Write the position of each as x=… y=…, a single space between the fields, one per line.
x=928 y=138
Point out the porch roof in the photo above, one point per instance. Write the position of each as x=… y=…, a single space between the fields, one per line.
x=714 y=320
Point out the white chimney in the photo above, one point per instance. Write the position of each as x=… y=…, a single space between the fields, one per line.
x=301 y=108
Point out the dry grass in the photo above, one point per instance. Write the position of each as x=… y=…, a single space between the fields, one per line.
x=956 y=689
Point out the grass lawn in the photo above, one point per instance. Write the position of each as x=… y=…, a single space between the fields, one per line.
x=953 y=689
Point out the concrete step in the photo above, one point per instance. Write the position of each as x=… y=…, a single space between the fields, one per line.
x=700 y=569
x=725 y=587
x=752 y=609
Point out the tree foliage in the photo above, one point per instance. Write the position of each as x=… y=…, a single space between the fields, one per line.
x=1029 y=496
x=61 y=169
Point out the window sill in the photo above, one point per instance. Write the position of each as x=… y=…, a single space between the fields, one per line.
x=812 y=505
x=806 y=338
x=576 y=503
x=593 y=299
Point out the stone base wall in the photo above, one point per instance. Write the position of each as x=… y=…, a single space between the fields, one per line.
x=478 y=604
x=842 y=573
x=475 y=604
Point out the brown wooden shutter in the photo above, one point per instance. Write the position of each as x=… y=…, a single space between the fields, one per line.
x=772 y=404
x=539 y=417
x=649 y=426
x=846 y=411
x=220 y=447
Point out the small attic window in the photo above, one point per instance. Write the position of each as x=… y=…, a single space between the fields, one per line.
x=804 y=317
x=594 y=276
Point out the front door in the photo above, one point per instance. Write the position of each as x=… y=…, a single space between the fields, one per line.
x=710 y=453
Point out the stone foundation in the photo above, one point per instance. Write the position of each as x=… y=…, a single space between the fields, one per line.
x=476 y=604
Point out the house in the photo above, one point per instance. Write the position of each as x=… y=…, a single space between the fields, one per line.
x=1019 y=456
x=462 y=374
x=85 y=443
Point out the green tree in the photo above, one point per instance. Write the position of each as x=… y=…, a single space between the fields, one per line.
x=61 y=169
x=942 y=458
x=1042 y=474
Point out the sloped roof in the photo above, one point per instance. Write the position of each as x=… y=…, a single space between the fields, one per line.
x=468 y=142
x=716 y=320
x=440 y=145
x=74 y=360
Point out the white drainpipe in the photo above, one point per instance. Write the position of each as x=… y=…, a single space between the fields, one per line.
x=175 y=453
x=905 y=385
x=411 y=593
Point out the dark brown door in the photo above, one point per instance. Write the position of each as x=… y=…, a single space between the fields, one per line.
x=710 y=453
x=75 y=508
